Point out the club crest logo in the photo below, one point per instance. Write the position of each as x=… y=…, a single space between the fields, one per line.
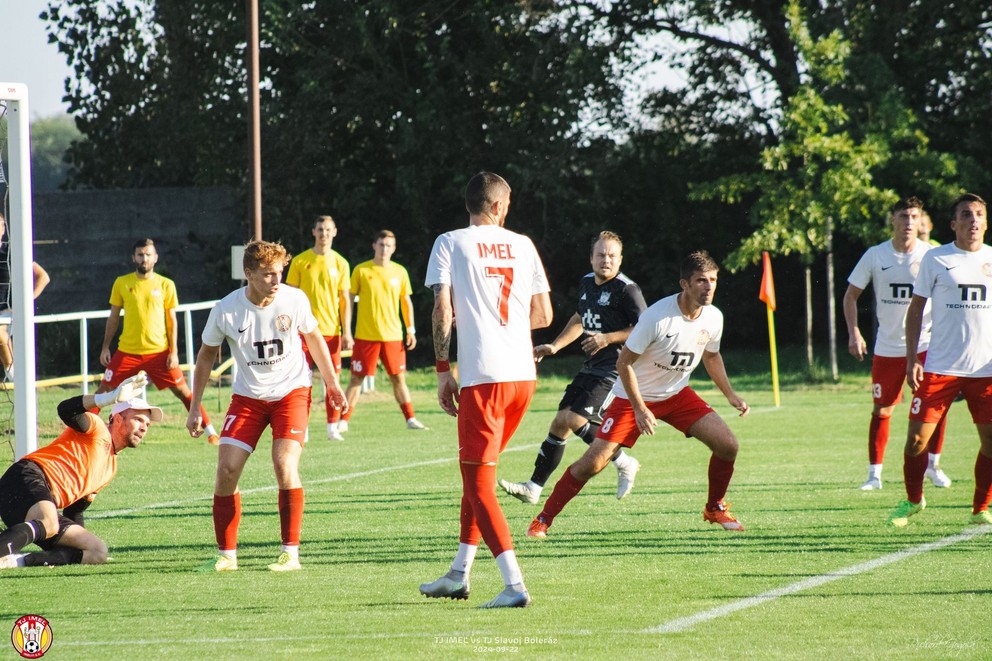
x=703 y=338
x=604 y=298
x=31 y=636
x=283 y=323
x=987 y=270
x=914 y=268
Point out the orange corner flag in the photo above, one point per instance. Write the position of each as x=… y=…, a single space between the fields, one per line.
x=767 y=293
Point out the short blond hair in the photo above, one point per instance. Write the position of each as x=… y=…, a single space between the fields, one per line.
x=264 y=253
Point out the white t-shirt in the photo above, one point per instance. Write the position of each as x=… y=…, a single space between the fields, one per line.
x=959 y=286
x=493 y=274
x=265 y=341
x=670 y=347
x=892 y=274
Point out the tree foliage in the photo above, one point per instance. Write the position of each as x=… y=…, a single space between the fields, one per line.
x=788 y=113
x=818 y=176
x=50 y=139
x=378 y=111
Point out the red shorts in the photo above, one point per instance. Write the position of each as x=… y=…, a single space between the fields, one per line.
x=488 y=415
x=888 y=375
x=365 y=357
x=333 y=343
x=247 y=417
x=680 y=411
x=122 y=365
x=936 y=392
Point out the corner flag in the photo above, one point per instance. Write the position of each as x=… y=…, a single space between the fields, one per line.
x=767 y=294
x=767 y=281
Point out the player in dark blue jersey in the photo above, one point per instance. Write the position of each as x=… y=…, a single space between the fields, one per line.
x=609 y=305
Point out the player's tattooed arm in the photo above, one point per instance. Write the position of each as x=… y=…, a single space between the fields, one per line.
x=442 y=320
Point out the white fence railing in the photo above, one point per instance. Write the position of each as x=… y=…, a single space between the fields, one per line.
x=184 y=315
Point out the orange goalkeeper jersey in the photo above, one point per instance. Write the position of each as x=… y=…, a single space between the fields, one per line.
x=77 y=464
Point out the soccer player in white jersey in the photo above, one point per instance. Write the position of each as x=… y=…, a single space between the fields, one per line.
x=957 y=279
x=492 y=280
x=669 y=341
x=263 y=324
x=891 y=267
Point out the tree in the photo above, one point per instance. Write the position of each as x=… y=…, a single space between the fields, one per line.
x=377 y=113
x=50 y=139
x=819 y=178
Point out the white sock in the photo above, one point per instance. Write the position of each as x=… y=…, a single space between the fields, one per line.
x=875 y=471
x=332 y=426
x=464 y=558
x=534 y=486
x=510 y=570
x=209 y=430
x=232 y=553
x=293 y=551
x=933 y=460
x=622 y=460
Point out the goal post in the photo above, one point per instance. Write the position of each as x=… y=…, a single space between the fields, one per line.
x=20 y=236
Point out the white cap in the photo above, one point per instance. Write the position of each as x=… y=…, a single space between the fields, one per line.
x=154 y=412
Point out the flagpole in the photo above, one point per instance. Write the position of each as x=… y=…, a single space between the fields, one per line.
x=767 y=294
x=774 y=352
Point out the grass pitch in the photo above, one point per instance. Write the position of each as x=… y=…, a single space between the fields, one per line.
x=816 y=575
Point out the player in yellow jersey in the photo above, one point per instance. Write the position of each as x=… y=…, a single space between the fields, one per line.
x=381 y=287
x=325 y=277
x=148 y=342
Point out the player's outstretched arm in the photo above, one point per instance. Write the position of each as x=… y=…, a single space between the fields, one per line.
x=322 y=357
x=442 y=319
x=914 y=326
x=541 y=312
x=205 y=359
x=41 y=279
x=571 y=332
x=856 y=344
x=713 y=362
x=643 y=416
x=109 y=331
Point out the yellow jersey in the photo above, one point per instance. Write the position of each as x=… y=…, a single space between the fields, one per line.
x=145 y=303
x=77 y=464
x=323 y=278
x=379 y=290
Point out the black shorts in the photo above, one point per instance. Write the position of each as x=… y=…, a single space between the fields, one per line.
x=23 y=485
x=587 y=395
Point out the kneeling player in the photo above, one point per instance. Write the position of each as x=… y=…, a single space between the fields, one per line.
x=66 y=475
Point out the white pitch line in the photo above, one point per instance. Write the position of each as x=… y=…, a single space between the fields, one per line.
x=684 y=623
x=272 y=487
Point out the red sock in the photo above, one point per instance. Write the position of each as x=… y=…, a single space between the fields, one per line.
x=913 y=471
x=719 y=473
x=566 y=488
x=936 y=444
x=983 y=483
x=878 y=438
x=227 y=517
x=469 y=533
x=346 y=416
x=407 y=410
x=479 y=488
x=291 y=515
